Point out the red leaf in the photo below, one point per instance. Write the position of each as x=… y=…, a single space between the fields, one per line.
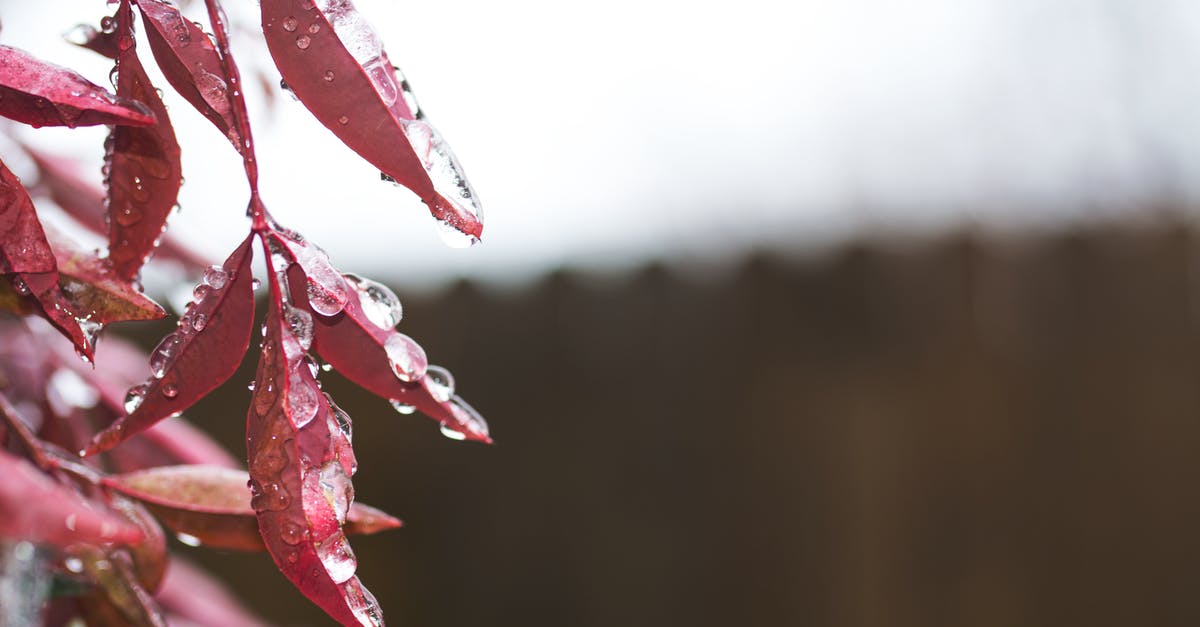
x=370 y=352
x=60 y=517
x=150 y=555
x=199 y=356
x=25 y=254
x=335 y=64
x=300 y=467
x=104 y=42
x=143 y=167
x=59 y=179
x=212 y=505
x=94 y=293
x=42 y=94
x=189 y=60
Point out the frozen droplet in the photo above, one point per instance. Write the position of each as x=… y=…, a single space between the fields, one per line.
x=199 y=321
x=383 y=78
x=302 y=400
x=406 y=357
x=216 y=276
x=378 y=302
x=300 y=324
x=456 y=203
x=341 y=418
x=325 y=301
x=135 y=396
x=303 y=41
x=337 y=558
x=439 y=382
x=292 y=533
x=337 y=489
x=164 y=354
x=290 y=23
x=362 y=603
x=403 y=408
x=170 y=390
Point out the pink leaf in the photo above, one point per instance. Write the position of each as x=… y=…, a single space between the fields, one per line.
x=42 y=94
x=189 y=60
x=199 y=356
x=144 y=172
x=195 y=595
x=335 y=64
x=60 y=517
x=212 y=505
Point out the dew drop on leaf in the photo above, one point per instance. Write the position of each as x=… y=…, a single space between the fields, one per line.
x=290 y=23
x=451 y=433
x=378 y=302
x=403 y=408
x=303 y=41
x=135 y=396
x=201 y=292
x=164 y=354
x=199 y=321
x=170 y=390
x=440 y=383
x=337 y=558
x=406 y=357
x=216 y=276
x=292 y=533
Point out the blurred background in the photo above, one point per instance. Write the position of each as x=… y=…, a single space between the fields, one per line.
x=805 y=313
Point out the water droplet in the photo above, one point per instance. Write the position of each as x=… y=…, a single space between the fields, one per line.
x=451 y=433
x=403 y=408
x=302 y=400
x=216 y=277
x=290 y=24
x=129 y=216
x=170 y=390
x=269 y=497
x=264 y=397
x=164 y=354
x=292 y=533
x=188 y=539
x=337 y=558
x=325 y=301
x=288 y=90
x=467 y=417
x=341 y=418
x=378 y=302
x=255 y=284
x=134 y=397
x=199 y=321
x=329 y=76
x=300 y=324
x=201 y=292
x=303 y=41
x=343 y=120
x=270 y=460
x=439 y=382
x=250 y=386
x=406 y=357
x=108 y=24
x=314 y=28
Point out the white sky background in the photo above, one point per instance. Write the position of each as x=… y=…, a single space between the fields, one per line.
x=605 y=134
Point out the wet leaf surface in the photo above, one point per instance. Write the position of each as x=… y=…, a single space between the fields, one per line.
x=212 y=505
x=144 y=172
x=188 y=58
x=43 y=94
x=334 y=63
x=199 y=356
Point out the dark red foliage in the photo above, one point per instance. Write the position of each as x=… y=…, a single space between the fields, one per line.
x=335 y=64
x=300 y=467
x=108 y=530
x=206 y=349
x=42 y=94
x=189 y=60
x=143 y=164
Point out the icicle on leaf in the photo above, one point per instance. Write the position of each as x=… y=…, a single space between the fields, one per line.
x=212 y=505
x=189 y=364
x=300 y=477
x=43 y=94
x=189 y=60
x=334 y=62
x=143 y=164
